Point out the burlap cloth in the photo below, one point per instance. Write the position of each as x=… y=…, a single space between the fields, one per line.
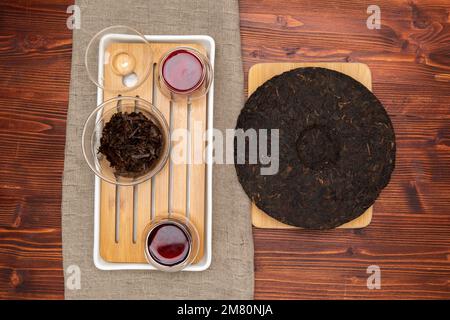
x=231 y=273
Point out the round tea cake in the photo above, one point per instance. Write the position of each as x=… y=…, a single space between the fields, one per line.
x=336 y=148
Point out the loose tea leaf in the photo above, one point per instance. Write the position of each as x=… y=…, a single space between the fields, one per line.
x=336 y=149
x=131 y=143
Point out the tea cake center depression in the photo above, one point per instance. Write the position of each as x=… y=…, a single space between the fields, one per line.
x=336 y=148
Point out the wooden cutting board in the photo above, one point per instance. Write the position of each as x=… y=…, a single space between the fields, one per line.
x=260 y=73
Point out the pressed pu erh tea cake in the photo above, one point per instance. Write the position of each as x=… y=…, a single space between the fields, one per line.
x=336 y=148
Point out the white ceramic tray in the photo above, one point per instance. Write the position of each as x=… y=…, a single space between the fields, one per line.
x=208 y=43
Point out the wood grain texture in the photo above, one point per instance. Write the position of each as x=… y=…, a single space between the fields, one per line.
x=119 y=243
x=409 y=236
x=35 y=56
x=260 y=73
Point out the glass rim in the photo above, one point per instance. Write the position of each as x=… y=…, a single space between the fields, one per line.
x=187 y=226
x=94 y=76
x=164 y=128
x=200 y=56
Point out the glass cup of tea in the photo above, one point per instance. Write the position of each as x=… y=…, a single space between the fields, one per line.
x=184 y=73
x=94 y=129
x=172 y=243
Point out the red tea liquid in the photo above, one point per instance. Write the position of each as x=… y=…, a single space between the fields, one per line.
x=168 y=244
x=182 y=71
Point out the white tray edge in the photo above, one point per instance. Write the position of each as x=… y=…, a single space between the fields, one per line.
x=209 y=44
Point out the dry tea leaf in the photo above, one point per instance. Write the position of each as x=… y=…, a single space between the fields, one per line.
x=131 y=143
x=337 y=148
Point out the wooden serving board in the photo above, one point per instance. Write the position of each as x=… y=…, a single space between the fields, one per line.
x=126 y=210
x=260 y=73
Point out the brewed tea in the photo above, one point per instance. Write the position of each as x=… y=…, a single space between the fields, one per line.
x=182 y=70
x=168 y=244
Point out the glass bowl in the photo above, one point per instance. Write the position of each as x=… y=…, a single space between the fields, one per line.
x=127 y=71
x=197 y=90
x=183 y=223
x=92 y=133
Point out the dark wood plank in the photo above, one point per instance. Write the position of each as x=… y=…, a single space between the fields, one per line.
x=409 y=237
x=35 y=56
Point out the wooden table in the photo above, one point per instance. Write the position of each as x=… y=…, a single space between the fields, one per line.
x=409 y=238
